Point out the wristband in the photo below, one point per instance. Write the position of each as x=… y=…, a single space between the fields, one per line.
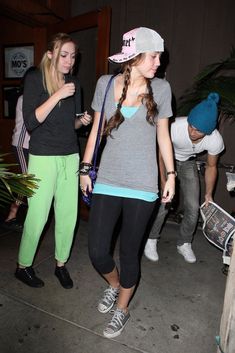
x=172 y=172
x=85 y=168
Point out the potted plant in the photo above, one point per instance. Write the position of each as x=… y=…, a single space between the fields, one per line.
x=218 y=77
x=13 y=185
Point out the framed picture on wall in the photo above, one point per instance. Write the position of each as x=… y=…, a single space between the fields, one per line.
x=17 y=59
x=10 y=97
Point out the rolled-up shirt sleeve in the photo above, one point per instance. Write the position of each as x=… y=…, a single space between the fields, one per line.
x=32 y=99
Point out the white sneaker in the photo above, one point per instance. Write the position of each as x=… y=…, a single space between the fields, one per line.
x=150 y=250
x=186 y=251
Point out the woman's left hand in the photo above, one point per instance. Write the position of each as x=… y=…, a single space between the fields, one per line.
x=169 y=190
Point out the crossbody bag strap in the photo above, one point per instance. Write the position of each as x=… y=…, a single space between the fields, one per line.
x=97 y=142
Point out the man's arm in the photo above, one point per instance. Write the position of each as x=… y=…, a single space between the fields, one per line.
x=210 y=176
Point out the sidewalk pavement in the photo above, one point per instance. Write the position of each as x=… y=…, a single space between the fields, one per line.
x=176 y=308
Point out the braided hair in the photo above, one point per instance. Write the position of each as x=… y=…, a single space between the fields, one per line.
x=147 y=98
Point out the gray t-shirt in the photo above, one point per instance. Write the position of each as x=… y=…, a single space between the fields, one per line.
x=129 y=157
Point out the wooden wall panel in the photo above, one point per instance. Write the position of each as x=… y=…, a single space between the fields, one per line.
x=185 y=44
x=196 y=33
x=19 y=34
x=219 y=31
x=60 y=8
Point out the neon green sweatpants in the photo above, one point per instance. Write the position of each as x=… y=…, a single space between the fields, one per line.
x=59 y=180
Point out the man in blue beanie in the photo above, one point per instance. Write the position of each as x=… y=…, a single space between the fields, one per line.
x=190 y=135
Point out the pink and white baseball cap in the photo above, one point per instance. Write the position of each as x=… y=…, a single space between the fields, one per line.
x=137 y=41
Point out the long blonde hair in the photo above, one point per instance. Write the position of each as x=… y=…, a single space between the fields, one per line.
x=49 y=82
x=117 y=119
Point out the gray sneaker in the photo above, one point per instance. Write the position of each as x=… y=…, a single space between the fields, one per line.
x=108 y=300
x=116 y=324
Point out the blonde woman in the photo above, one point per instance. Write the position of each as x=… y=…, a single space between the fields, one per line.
x=50 y=103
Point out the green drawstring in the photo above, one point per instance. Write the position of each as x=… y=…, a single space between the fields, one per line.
x=64 y=167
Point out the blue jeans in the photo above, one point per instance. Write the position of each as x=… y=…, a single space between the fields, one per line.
x=188 y=178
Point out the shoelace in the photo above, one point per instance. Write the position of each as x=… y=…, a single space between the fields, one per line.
x=110 y=295
x=30 y=272
x=117 y=319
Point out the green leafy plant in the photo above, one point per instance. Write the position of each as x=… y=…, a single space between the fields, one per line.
x=15 y=186
x=218 y=77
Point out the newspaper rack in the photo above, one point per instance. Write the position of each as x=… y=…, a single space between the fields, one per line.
x=218 y=228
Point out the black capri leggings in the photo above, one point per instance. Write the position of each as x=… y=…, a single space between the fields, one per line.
x=104 y=214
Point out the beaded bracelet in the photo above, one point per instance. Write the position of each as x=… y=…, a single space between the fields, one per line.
x=85 y=168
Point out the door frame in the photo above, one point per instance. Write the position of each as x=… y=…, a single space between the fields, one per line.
x=100 y=18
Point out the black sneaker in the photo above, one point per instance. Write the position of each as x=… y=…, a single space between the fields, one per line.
x=63 y=276
x=27 y=276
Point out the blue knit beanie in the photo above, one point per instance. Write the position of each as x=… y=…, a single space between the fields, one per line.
x=205 y=114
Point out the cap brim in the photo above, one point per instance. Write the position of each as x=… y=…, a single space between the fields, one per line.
x=121 y=57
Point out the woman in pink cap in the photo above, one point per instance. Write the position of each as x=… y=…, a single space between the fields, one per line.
x=137 y=108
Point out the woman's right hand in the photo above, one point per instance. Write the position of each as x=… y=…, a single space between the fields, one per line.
x=85 y=184
x=67 y=90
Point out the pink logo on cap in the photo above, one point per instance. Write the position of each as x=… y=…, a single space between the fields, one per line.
x=128 y=42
